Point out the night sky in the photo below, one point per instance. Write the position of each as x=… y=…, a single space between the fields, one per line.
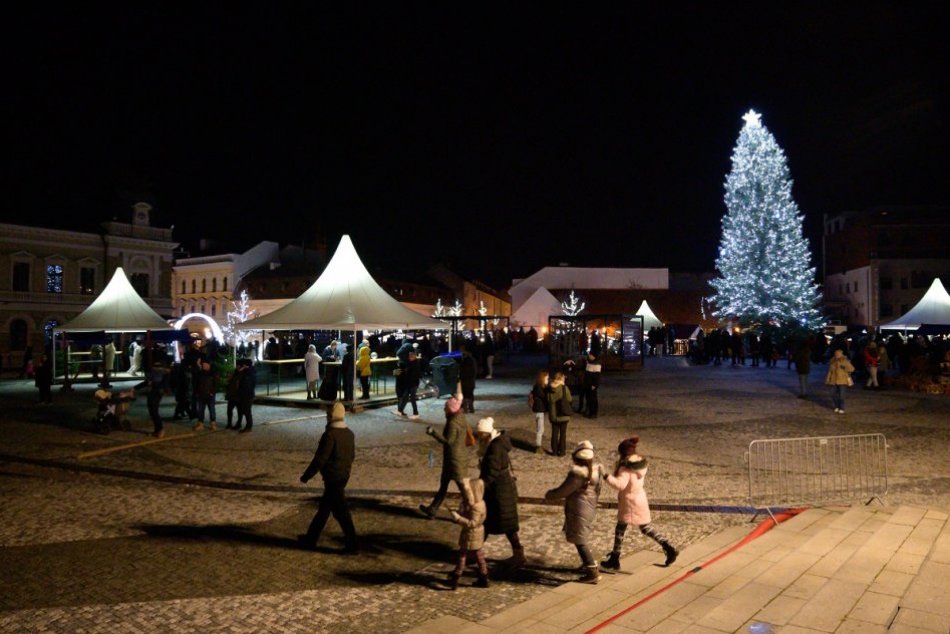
x=497 y=141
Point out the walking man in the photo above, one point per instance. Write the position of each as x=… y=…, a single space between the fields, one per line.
x=333 y=460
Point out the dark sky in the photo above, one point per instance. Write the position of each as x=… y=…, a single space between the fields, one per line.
x=495 y=140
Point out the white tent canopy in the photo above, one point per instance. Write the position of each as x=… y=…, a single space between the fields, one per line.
x=933 y=308
x=536 y=309
x=343 y=297
x=117 y=309
x=650 y=320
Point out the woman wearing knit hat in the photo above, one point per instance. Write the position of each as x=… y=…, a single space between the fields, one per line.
x=501 y=493
x=559 y=413
x=580 y=491
x=454 y=453
x=632 y=504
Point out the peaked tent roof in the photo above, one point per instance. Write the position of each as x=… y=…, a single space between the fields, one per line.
x=537 y=308
x=933 y=308
x=119 y=308
x=649 y=319
x=343 y=297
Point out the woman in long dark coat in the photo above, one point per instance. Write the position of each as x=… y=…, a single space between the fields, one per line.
x=501 y=493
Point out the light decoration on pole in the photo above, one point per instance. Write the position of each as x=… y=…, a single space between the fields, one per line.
x=763 y=262
x=572 y=307
x=240 y=312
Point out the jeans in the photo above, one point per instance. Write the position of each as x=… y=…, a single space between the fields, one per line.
x=837 y=395
x=538 y=428
x=408 y=395
x=443 y=489
x=559 y=437
x=333 y=502
x=206 y=402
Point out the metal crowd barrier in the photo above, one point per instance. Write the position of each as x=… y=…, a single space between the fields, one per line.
x=824 y=469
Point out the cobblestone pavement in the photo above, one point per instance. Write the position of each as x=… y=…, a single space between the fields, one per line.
x=90 y=552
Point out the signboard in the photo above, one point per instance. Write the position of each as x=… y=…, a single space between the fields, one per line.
x=632 y=339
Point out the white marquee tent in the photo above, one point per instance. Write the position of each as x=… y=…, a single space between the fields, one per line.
x=536 y=309
x=650 y=320
x=344 y=297
x=119 y=308
x=932 y=309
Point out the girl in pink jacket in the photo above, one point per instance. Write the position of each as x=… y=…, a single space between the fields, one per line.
x=633 y=507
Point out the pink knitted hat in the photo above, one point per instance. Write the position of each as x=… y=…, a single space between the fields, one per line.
x=453 y=405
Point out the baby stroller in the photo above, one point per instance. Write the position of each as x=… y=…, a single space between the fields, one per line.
x=112 y=410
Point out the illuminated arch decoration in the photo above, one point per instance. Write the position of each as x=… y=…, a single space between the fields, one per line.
x=212 y=324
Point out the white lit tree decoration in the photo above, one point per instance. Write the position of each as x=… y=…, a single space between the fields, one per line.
x=241 y=312
x=572 y=307
x=440 y=310
x=763 y=263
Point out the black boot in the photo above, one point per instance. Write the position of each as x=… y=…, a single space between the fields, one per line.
x=482 y=581
x=671 y=553
x=452 y=583
x=612 y=562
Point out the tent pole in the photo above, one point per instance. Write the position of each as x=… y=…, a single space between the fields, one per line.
x=53 y=352
x=353 y=393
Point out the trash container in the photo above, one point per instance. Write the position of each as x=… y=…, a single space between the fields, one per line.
x=445 y=374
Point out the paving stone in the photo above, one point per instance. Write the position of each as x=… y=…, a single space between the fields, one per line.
x=785 y=572
x=933 y=514
x=926 y=594
x=649 y=614
x=864 y=566
x=892 y=583
x=905 y=563
x=907 y=515
x=875 y=608
x=805 y=587
x=852 y=626
x=829 y=564
x=827 y=609
x=696 y=609
x=780 y=610
x=740 y=607
x=926 y=621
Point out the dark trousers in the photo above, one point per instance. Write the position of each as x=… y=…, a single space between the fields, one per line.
x=468 y=397
x=592 y=404
x=244 y=412
x=46 y=393
x=443 y=489
x=409 y=394
x=333 y=502
x=153 y=400
x=559 y=437
x=364 y=384
x=206 y=402
x=233 y=405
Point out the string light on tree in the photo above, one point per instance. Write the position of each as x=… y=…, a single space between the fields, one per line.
x=572 y=307
x=240 y=312
x=763 y=263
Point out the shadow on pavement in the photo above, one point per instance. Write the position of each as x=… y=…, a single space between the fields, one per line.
x=217 y=532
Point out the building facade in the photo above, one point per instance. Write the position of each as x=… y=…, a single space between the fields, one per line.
x=48 y=276
x=879 y=262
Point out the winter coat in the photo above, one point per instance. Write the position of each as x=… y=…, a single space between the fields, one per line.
x=559 y=403
x=363 y=362
x=883 y=361
x=454 y=452
x=311 y=365
x=206 y=385
x=43 y=376
x=472 y=516
x=412 y=374
x=247 y=386
x=539 y=403
x=870 y=360
x=632 y=504
x=335 y=454
x=839 y=371
x=501 y=493
x=803 y=360
x=108 y=356
x=580 y=501
x=231 y=391
x=468 y=368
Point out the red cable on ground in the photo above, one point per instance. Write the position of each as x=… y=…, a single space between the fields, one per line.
x=758 y=531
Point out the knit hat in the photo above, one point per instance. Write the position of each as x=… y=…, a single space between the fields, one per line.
x=485 y=425
x=453 y=405
x=584 y=450
x=336 y=412
x=628 y=447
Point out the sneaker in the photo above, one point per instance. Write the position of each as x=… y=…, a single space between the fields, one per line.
x=837 y=410
x=841 y=411
x=427 y=512
x=539 y=450
x=414 y=417
x=198 y=427
x=400 y=414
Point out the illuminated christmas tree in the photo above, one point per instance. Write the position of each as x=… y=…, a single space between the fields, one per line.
x=241 y=312
x=573 y=306
x=764 y=260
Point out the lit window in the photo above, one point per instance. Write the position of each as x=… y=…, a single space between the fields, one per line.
x=54 y=278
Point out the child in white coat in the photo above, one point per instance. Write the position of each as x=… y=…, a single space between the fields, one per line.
x=632 y=504
x=471 y=517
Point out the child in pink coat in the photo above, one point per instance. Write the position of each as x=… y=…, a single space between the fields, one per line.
x=632 y=504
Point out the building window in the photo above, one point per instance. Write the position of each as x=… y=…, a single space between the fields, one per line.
x=21 y=276
x=904 y=283
x=18 y=334
x=224 y=284
x=214 y=309
x=887 y=310
x=139 y=282
x=847 y=287
x=214 y=285
x=840 y=289
x=193 y=286
x=204 y=286
x=886 y=283
x=855 y=287
x=87 y=280
x=921 y=279
x=54 y=278
x=183 y=287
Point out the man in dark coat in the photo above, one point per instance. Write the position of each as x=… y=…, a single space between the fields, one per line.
x=592 y=385
x=43 y=379
x=454 y=454
x=501 y=493
x=411 y=376
x=247 y=386
x=468 y=368
x=333 y=460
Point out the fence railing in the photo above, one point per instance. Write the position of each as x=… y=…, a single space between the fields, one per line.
x=822 y=469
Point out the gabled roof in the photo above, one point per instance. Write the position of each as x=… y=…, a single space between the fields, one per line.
x=933 y=308
x=117 y=309
x=537 y=308
x=345 y=296
x=649 y=319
